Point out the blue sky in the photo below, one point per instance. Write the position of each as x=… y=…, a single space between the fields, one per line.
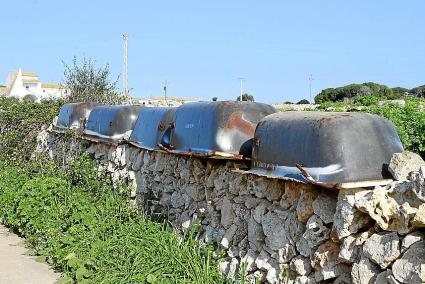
x=202 y=47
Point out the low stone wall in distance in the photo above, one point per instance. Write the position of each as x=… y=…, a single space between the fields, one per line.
x=281 y=230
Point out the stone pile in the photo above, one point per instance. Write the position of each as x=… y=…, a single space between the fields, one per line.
x=273 y=230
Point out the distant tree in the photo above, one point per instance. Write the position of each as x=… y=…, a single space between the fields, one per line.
x=303 y=102
x=88 y=83
x=349 y=92
x=418 y=91
x=399 y=92
x=246 y=97
x=288 y=103
x=214 y=99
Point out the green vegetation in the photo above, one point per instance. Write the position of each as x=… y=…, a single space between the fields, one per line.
x=303 y=102
x=418 y=91
x=88 y=83
x=355 y=91
x=246 y=97
x=20 y=122
x=74 y=221
x=72 y=218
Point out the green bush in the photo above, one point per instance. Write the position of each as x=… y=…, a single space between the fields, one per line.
x=408 y=120
x=20 y=122
x=368 y=100
x=82 y=228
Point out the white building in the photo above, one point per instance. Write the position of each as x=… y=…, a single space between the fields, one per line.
x=26 y=85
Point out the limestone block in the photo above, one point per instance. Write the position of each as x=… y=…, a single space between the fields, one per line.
x=324 y=206
x=348 y=219
x=305 y=205
x=301 y=265
x=410 y=239
x=349 y=250
x=275 y=231
x=255 y=234
x=382 y=207
x=402 y=164
x=227 y=213
x=382 y=248
x=364 y=272
x=410 y=268
x=316 y=232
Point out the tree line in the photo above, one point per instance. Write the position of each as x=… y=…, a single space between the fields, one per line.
x=352 y=91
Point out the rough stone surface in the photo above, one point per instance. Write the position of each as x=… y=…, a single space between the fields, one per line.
x=227 y=213
x=339 y=271
x=324 y=206
x=305 y=206
x=274 y=229
x=419 y=218
x=301 y=265
x=315 y=234
x=364 y=272
x=278 y=228
x=396 y=207
x=382 y=248
x=349 y=250
x=348 y=219
x=410 y=268
x=386 y=277
x=402 y=164
x=410 y=239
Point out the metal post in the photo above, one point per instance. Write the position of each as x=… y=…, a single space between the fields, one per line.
x=310 y=79
x=241 y=79
x=125 y=66
x=165 y=90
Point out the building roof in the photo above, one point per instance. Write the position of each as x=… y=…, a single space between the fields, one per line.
x=4 y=90
x=30 y=81
x=51 y=86
x=29 y=74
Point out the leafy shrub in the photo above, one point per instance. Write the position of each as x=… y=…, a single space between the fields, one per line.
x=88 y=83
x=368 y=100
x=408 y=120
x=246 y=97
x=20 y=122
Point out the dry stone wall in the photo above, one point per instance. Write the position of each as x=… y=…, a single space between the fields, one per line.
x=279 y=231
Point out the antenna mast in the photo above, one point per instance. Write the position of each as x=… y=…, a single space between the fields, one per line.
x=165 y=91
x=242 y=80
x=125 y=65
x=310 y=80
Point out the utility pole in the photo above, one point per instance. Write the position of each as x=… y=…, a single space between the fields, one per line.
x=242 y=80
x=310 y=81
x=165 y=90
x=125 y=65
